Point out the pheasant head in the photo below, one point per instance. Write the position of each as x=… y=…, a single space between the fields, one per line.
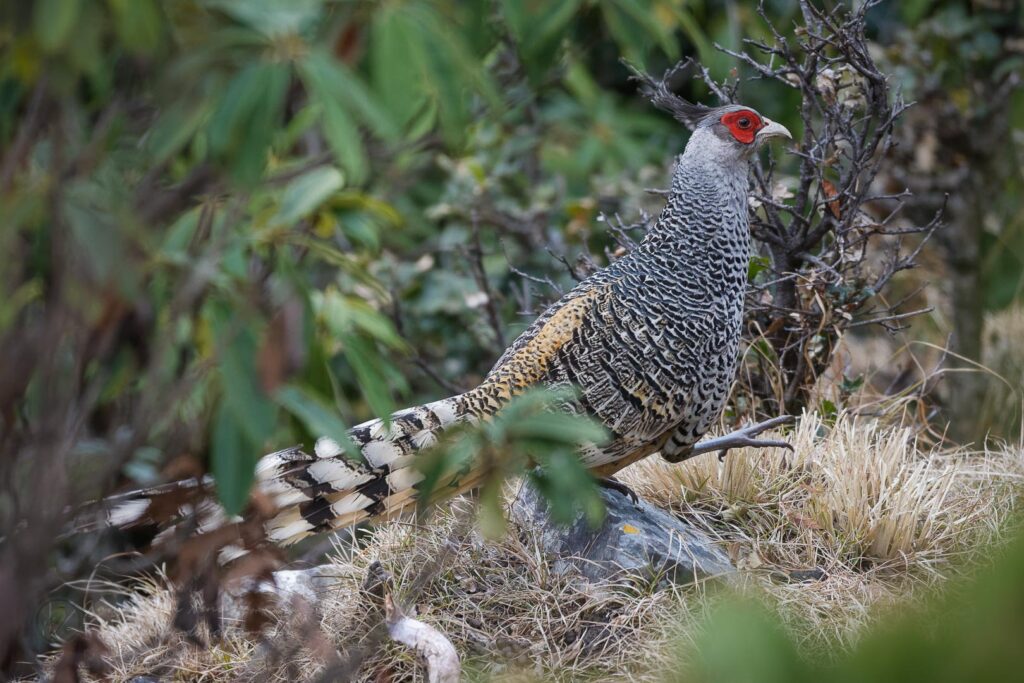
x=729 y=133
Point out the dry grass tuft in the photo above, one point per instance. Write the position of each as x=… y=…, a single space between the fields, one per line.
x=853 y=494
x=866 y=508
x=866 y=514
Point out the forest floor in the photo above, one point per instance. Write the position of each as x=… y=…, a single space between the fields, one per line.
x=860 y=519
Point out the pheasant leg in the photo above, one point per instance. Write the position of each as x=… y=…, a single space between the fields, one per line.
x=738 y=439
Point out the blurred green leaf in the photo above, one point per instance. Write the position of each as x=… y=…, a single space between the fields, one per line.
x=345 y=316
x=453 y=57
x=328 y=88
x=423 y=120
x=491 y=513
x=768 y=655
x=319 y=418
x=253 y=412
x=397 y=58
x=330 y=80
x=914 y=10
x=460 y=448
x=373 y=383
x=233 y=461
x=633 y=23
x=98 y=238
x=539 y=27
x=22 y=296
x=86 y=51
x=306 y=193
x=242 y=126
x=557 y=428
x=272 y=18
x=567 y=487
x=175 y=127
x=361 y=230
x=54 y=22
x=139 y=24
x=346 y=262
x=693 y=30
x=343 y=136
x=530 y=435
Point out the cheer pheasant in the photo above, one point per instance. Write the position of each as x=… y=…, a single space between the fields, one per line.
x=650 y=343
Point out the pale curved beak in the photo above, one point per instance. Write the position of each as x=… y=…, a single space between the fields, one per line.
x=773 y=130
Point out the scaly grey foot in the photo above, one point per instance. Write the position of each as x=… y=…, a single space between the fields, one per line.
x=742 y=438
x=737 y=439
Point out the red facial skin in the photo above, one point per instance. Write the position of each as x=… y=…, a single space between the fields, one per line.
x=743 y=125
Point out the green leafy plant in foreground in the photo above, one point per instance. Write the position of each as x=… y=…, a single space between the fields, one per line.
x=970 y=632
x=530 y=436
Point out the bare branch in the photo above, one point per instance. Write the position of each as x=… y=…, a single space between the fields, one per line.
x=440 y=656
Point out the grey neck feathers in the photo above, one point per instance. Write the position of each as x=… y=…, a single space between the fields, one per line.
x=697 y=253
x=708 y=196
x=705 y=218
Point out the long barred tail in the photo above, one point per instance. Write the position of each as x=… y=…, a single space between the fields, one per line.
x=327 y=490
x=315 y=492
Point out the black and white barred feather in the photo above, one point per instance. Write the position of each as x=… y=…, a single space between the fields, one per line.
x=318 y=491
x=328 y=490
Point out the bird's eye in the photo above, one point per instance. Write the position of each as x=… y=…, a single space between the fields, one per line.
x=743 y=123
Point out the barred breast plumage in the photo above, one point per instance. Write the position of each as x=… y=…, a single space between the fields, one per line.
x=650 y=343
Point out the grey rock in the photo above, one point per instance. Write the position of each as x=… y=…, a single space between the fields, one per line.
x=634 y=539
x=307 y=585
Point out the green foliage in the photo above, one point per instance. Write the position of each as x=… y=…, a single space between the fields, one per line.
x=54 y=22
x=318 y=417
x=947 y=54
x=243 y=123
x=232 y=461
x=769 y=656
x=970 y=632
x=528 y=436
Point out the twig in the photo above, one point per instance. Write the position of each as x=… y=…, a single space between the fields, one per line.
x=438 y=653
x=476 y=262
x=418 y=359
x=883 y=319
x=30 y=125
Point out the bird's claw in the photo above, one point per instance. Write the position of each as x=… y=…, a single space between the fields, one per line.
x=616 y=485
x=744 y=437
x=754 y=443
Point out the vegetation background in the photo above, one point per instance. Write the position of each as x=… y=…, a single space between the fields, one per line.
x=234 y=225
